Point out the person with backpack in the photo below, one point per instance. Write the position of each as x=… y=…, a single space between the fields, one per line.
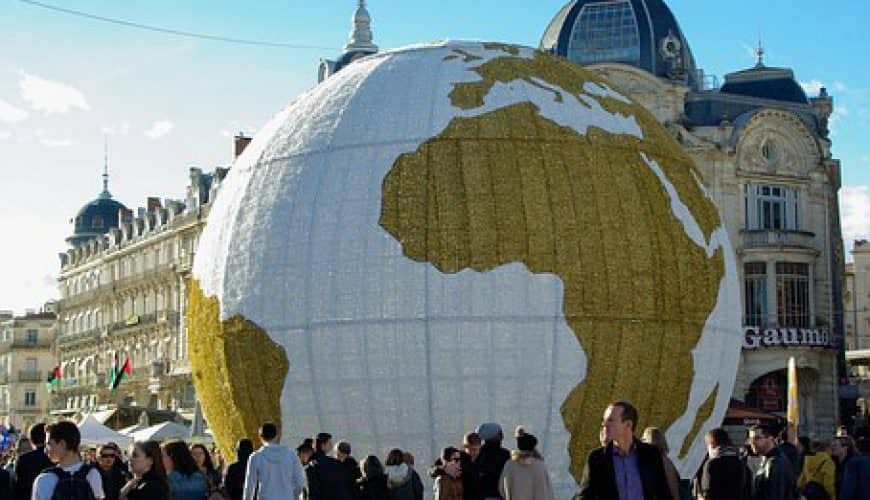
x=31 y=462
x=69 y=479
x=818 y=477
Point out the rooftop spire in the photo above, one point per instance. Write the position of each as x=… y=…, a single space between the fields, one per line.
x=361 y=32
x=105 y=193
x=759 y=53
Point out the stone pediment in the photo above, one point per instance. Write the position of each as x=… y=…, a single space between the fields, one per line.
x=776 y=142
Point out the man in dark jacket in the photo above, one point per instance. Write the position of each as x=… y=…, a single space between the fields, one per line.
x=32 y=463
x=5 y=484
x=491 y=460
x=724 y=476
x=113 y=477
x=467 y=470
x=775 y=479
x=234 y=479
x=626 y=467
x=328 y=479
x=343 y=455
x=856 y=478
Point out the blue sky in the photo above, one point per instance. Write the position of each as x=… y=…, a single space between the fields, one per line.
x=168 y=103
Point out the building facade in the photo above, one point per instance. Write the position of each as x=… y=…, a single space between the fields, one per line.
x=857 y=319
x=764 y=153
x=26 y=361
x=123 y=294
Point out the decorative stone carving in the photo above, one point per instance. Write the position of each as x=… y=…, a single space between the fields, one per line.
x=776 y=142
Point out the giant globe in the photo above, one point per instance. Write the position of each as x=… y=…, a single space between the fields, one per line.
x=457 y=233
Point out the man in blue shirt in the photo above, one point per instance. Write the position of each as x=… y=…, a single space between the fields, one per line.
x=625 y=469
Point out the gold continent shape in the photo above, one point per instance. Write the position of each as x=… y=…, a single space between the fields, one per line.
x=238 y=371
x=511 y=186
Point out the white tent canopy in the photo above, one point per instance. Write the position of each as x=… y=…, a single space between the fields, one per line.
x=95 y=433
x=160 y=432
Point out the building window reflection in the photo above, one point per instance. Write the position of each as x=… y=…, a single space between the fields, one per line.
x=605 y=31
x=793 y=294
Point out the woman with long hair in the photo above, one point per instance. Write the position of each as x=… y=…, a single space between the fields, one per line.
x=655 y=437
x=234 y=479
x=203 y=460
x=373 y=483
x=149 y=477
x=186 y=482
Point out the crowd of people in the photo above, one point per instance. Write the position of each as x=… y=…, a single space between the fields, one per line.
x=50 y=465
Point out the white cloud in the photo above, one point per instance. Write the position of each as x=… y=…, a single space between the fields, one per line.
x=117 y=130
x=10 y=113
x=53 y=142
x=855 y=213
x=839 y=113
x=159 y=129
x=4 y=135
x=50 y=97
x=812 y=87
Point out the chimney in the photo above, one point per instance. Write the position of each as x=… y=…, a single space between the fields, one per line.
x=241 y=143
x=153 y=204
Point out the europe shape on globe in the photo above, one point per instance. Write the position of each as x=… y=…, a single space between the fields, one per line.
x=456 y=233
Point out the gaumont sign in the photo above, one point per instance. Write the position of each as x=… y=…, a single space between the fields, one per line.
x=755 y=337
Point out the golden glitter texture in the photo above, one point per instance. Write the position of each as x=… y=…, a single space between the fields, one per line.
x=703 y=415
x=238 y=371
x=511 y=186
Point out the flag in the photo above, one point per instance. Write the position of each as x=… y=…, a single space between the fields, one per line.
x=54 y=378
x=792 y=413
x=117 y=375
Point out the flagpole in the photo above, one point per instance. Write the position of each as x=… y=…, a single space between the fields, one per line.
x=793 y=411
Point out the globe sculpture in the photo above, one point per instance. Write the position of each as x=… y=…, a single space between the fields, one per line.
x=456 y=233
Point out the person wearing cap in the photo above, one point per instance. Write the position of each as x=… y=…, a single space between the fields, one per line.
x=626 y=468
x=524 y=476
x=491 y=460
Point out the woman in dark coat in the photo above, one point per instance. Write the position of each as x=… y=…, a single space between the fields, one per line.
x=373 y=483
x=234 y=480
x=149 y=478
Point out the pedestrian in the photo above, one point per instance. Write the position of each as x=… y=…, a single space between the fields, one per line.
x=113 y=477
x=149 y=477
x=5 y=484
x=491 y=461
x=342 y=454
x=69 y=478
x=28 y=465
x=328 y=479
x=186 y=482
x=524 y=476
x=842 y=451
x=448 y=486
x=373 y=483
x=775 y=479
x=626 y=467
x=655 y=437
x=819 y=475
x=305 y=451
x=789 y=450
x=724 y=475
x=234 y=479
x=274 y=471
x=402 y=482
x=204 y=462
x=856 y=477
x=467 y=469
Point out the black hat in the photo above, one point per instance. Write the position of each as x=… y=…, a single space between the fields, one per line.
x=525 y=441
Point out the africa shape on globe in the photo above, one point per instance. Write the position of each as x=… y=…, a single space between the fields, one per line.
x=455 y=233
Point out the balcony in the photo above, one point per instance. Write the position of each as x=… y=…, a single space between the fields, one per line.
x=764 y=239
x=32 y=376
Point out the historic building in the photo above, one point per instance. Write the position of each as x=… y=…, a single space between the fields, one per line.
x=857 y=318
x=764 y=152
x=26 y=361
x=361 y=44
x=123 y=294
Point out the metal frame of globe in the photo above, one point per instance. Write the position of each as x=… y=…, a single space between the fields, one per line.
x=451 y=195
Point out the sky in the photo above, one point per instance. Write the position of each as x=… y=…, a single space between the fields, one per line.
x=166 y=103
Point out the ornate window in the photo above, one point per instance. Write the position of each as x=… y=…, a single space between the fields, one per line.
x=755 y=293
x=605 y=31
x=30 y=398
x=793 y=294
x=771 y=207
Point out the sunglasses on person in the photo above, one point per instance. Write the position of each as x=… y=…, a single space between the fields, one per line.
x=107 y=455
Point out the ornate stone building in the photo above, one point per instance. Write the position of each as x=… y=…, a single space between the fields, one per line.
x=123 y=289
x=764 y=152
x=857 y=313
x=26 y=360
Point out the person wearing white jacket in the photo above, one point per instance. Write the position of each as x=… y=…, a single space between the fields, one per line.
x=273 y=470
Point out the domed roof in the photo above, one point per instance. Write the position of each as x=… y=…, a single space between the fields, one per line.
x=777 y=84
x=96 y=217
x=642 y=33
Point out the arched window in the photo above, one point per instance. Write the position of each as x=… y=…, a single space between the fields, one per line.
x=97 y=222
x=605 y=31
